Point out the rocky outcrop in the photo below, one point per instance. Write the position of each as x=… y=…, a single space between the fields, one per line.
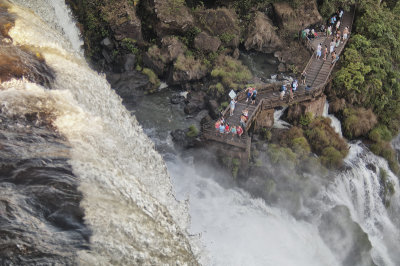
x=196 y=102
x=262 y=36
x=129 y=85
x=221 y=22
x=187 y=69
x=316 y=107
x=206 y=43
x=121 y=16
x=181 y=138
x=171 y=48
x=296 y=19
x=171 y=16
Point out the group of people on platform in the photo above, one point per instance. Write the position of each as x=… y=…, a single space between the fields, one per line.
x=223 y=127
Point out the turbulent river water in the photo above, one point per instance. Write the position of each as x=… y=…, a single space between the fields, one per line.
x=80 y=182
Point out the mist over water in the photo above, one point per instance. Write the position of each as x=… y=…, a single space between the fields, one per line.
x=124 y=204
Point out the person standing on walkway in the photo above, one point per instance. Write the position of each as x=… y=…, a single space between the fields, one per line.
x=325 y=53
x=341 y=13
x=253 y=96
x=332 y=45
x=282 y=92
x=345 y=33
x=337 y=25
x=232 y=106
x=249 y=93
x=319 y=47
x=304 y=76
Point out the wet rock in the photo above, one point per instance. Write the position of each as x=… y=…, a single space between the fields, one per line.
x=129 y=85
x=213 y=109
x=107 y=56
x=206 y=43
x=196 y=102
x=371 y=167
x=177 y=98
x=262 y=35
x=107 y=43
x=181 y=138
x=129 y=62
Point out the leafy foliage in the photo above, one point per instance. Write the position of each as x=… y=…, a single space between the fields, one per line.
x=193 y=131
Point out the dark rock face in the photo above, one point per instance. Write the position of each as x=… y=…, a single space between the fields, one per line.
x=153 y=62
x=129 y=85
x=123 y=21
x=172 y=17
x=180 y=137
x=212 y=106
x=206 y=43
x=262 y=35
x=196 y=102
x=295 y=20
x=187 y=69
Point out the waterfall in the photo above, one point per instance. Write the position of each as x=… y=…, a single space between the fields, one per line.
x=109 y=195
x=278 y=122
x=128 y=201
x=335 y=123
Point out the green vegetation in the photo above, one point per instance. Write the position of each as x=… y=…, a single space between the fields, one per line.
x=231 y=72
x=152 y=78
x=193 y=131
x=358 y=122
x=369 y=76
x=328 y=7
x=130 y=45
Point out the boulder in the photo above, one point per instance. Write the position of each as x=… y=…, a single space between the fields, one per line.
x=262 y=35
x=129 y=85
x=221 y=22
x=173 y=17
x=107 y=43
x=180 y=137
x=177 y=98
x=154 y=60
x=236 y=53
x=187 y=69
x=294 y=20
x=124 y=23
x=171 y=48
x=129 y=62
x=213 y=109
x=281 y=67
x=195 y=103
x=207 y=43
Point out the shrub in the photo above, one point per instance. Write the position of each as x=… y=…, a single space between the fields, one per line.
x=331 y=158
x=381 y=132
x=193 y=131
x=231 y=72
x=321 y=135
x=384 y=149
x=300 y=146
x=184 y=63
x=282 y=156
x=358 y=122
x=152 y=77
x=306 y=119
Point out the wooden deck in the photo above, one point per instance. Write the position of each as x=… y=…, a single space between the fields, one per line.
x=318 y=74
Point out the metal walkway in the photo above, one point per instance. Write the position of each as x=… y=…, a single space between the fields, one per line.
x=318 y=73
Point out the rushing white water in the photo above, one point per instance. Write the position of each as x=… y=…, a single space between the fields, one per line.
x=359 y=190
x=335 y=123
x=278 y=122
x=239 y=230
x=128 y=199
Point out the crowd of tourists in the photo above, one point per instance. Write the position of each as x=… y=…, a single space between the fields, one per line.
x=223 y=127
x=331 y=30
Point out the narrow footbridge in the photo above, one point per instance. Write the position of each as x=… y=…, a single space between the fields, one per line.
x=318 y=73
